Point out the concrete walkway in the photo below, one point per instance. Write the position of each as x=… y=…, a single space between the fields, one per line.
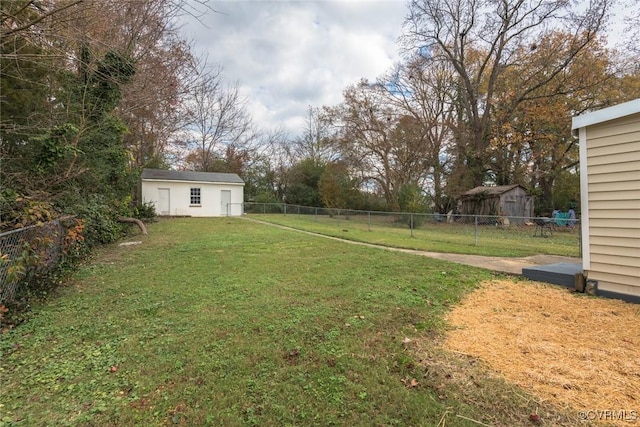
x=504 y=265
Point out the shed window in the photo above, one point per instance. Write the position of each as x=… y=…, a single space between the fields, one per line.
x=195 y=196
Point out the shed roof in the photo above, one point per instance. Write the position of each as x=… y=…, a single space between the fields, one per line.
x=493 y=191
x=606 y=114
x=171 y=175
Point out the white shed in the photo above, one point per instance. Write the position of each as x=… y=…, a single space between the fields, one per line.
x=610 y=198
x=180 y=193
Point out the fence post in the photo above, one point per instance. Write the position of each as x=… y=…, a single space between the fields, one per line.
x=580 y=237
x=369 y=220
x=285 y=208
x=476 y=230
x=411 y=224
x=315 y=215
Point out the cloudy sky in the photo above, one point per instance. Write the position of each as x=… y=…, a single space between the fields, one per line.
x=288 y=55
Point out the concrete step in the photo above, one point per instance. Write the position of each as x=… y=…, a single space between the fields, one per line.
x=562 y=273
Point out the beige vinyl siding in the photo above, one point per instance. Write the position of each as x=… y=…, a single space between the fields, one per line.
x=626 y=241
x=619 y=148
x=622 y=128
x=616 y=283
x=617 y=260
x=619 y=186
x=628 y=225
x=622 y=248
x=614 y=275
x=613 y=167
x=614 y=177
x=603 y=205
x=616 y=158
x=613 y=232
x=606 y=195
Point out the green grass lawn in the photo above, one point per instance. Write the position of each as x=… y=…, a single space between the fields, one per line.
x=512 y=241
x=227 y=322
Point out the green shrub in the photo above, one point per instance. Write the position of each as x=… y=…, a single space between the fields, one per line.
x=21 y=211
x=100 y=220
x=411 y=199
x=145 y=211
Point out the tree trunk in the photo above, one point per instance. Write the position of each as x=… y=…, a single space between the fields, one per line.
x=135 y=221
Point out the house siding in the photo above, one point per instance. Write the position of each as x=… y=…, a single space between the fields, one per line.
x=613 y=183
x=180 y=197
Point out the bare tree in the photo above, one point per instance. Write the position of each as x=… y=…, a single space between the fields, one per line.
x=18 y=16
x=273 y=157
x=631 y=41
x=481 y=40
x=146 y=32
x=420 y=90
x=377 y=153
x=216 y=117
x=318 y=140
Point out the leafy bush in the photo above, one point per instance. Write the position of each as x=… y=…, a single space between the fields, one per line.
x=44 y=262
x=100 y=221
x=19 y=211
x=145 y=211
x=411 y=199
x=266 y=197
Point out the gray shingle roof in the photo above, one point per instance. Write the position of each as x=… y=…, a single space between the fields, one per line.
x=169 y=175
x=493 y=191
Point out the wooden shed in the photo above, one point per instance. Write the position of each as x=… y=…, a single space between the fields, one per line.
x=610 y=196
x=505 y=200
x=184 y=193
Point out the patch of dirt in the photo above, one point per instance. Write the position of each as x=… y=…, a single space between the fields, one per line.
x=579 y=353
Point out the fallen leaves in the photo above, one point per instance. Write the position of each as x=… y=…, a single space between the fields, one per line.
x=534 y=418
x=291 y=355
x=410 y=383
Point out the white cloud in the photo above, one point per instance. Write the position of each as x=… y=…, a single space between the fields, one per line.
x=288 y=55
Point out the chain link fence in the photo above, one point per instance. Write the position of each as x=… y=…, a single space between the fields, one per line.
x=559 y=236
x=27 y=253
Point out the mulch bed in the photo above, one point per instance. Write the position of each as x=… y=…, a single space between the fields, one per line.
x=577 y=352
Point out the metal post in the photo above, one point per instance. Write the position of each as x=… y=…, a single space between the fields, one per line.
x=369 y=215
x=285 y=208
x=476 y=229
x=411 y=224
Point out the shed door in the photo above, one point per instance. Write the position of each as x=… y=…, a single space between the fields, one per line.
x=163 y=201
x=225 y=198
